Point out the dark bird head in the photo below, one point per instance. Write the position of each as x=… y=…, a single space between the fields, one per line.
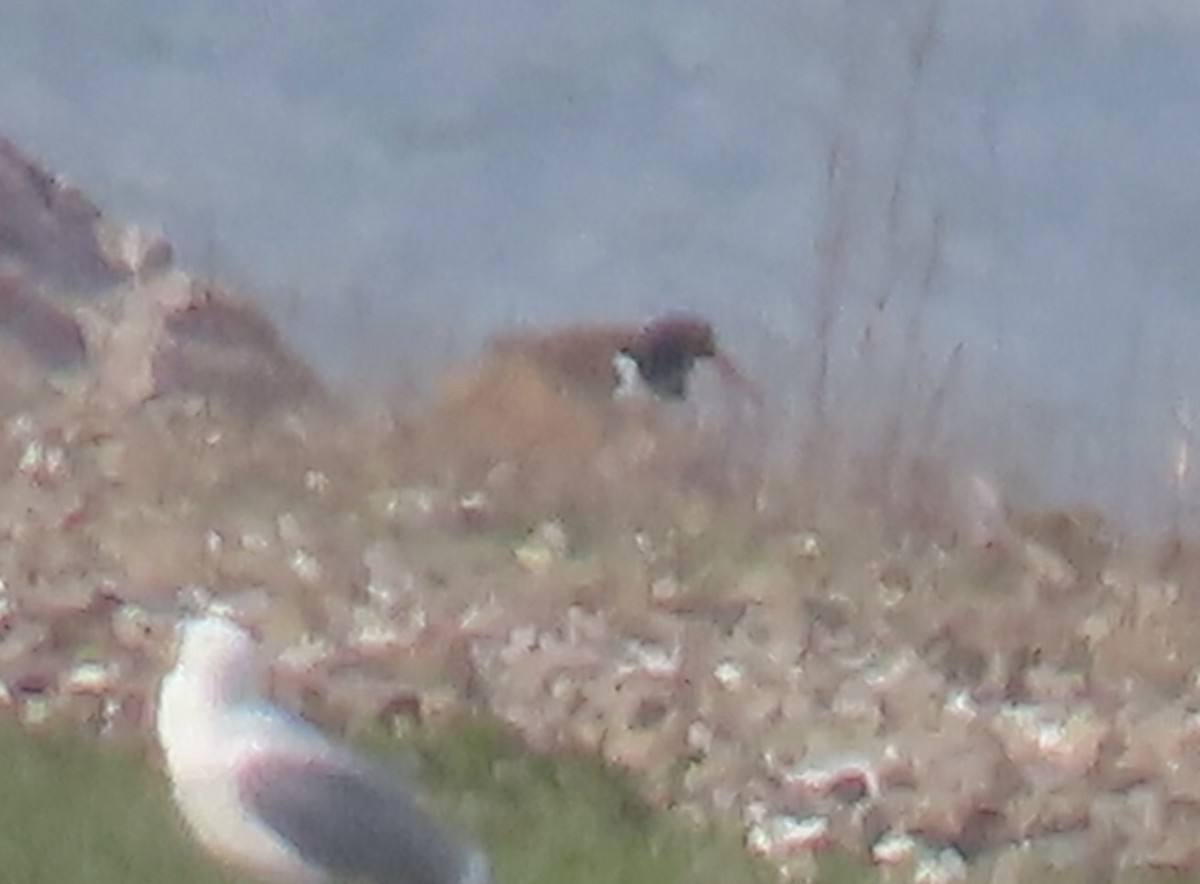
x=666 y=350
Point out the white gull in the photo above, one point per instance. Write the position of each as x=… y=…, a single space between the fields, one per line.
x=269 y=795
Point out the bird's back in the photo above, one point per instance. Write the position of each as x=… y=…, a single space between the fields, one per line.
x=358 y=821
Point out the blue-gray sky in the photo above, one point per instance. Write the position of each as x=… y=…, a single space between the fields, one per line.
x=459 y=162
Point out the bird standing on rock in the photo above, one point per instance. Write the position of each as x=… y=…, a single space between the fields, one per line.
x=666 y=351
x=269 y=795
x=612 y=360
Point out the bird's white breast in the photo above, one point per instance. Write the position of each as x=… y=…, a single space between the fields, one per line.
x=204 y=750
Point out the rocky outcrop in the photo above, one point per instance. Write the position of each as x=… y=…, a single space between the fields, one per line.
x=176 y=335
x=603 y=361
x=48 y=334
x=87 y=297
x=52 y=233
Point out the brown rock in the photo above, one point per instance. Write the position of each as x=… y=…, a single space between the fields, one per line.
x=48 y=229
x=951 y=800
x=174 y=334
x=46 y=332
x=583 y=359
x=81 y=291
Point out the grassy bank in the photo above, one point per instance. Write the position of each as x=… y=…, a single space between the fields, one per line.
x=75 y=812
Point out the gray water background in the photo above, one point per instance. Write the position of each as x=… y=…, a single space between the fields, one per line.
x=395 y=179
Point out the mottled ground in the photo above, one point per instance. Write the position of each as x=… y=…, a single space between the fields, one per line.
x=1001 y=698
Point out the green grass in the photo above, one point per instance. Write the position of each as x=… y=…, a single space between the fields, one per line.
x=73 y=813
x=569 y=818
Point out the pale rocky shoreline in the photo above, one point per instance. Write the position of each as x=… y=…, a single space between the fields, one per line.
x=1026 y=701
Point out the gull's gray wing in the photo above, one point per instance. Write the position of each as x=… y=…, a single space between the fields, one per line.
x=356 y=821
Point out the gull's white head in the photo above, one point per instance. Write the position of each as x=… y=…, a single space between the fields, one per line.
x=218 y=659
x=216 y=668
